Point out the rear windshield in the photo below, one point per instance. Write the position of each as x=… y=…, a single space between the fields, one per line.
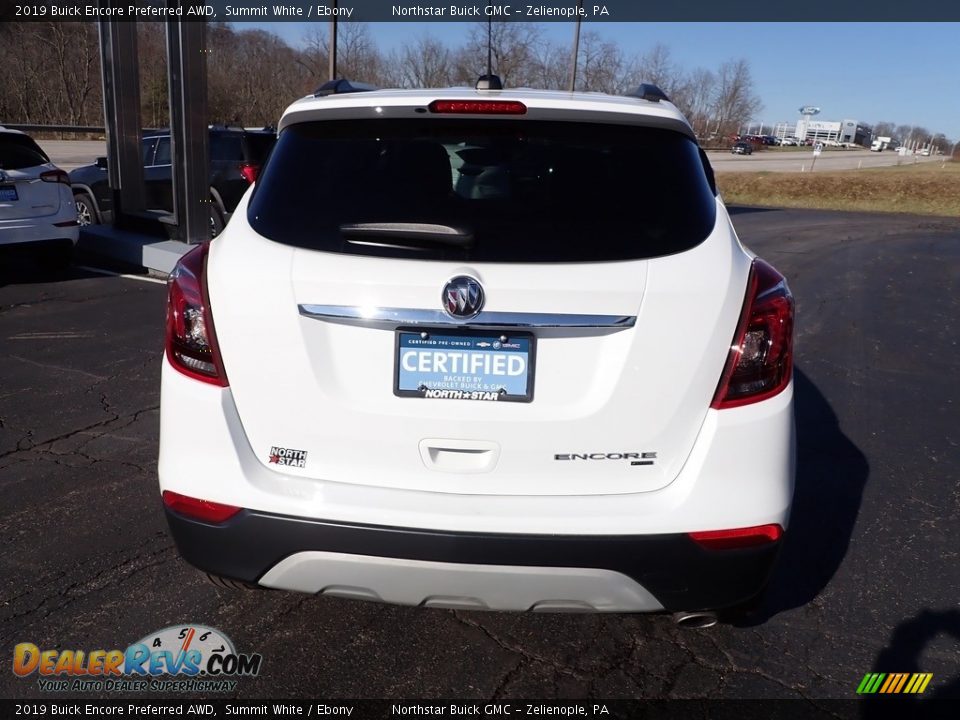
x=486 y=191
x=19 y=151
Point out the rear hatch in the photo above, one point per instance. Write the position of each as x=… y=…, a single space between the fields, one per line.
x=23 y=194
x=611 y=281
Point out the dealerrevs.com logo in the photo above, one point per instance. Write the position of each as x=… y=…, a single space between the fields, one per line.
x=179 y=658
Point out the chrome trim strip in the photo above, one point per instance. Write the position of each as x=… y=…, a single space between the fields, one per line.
x=395 y=317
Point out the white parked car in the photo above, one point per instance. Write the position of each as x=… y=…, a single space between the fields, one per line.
x=455 y=350
x=36 y=205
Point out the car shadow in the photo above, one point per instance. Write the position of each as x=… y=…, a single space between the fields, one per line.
x=830 y=477
x=21 y=265
x=745 y=209
x=904 y=654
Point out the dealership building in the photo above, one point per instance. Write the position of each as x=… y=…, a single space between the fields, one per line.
x=842 y=131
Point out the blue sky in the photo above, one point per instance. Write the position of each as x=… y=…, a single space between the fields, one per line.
x=906 y=73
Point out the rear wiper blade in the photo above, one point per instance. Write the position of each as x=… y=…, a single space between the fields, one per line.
x=406 y=235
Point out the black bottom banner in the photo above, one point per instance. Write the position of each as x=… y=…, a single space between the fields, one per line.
x=593 y=709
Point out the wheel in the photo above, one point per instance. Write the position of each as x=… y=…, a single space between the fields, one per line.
x=86 y=210
x=216 y=222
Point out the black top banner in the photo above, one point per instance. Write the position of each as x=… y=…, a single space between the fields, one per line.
x=499 y=10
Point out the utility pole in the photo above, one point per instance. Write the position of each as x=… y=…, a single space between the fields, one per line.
x=332 y=64
x=576 y=50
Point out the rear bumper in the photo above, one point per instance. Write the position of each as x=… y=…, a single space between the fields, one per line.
x=613 y=573
x=42 y=229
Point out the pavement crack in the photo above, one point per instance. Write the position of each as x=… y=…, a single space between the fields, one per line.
x=28 y=438
x=58 y=368
x=516 y=649
x=498 y=691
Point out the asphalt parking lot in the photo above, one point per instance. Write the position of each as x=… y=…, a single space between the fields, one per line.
x=867 y=581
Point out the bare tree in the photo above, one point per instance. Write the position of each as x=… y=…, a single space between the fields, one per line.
x=884 y=129
x=357 y=55
x=903 y=133
x=252 y=75
x=426 y=63
x=693 y=95
x=514 y=51
x=315 y=56
x=154 y=98
x=551 y=66
x=657 y=67
x=52 y=73
x=602 y=65
x=734 y=100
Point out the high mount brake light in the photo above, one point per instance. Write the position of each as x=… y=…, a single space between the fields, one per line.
x=191 y=342
x=205 y=510
x=738 y=537
x=760 y=363
x=478 y=107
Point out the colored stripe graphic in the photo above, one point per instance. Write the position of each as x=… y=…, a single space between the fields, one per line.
x=871 y=683
x=894 y=683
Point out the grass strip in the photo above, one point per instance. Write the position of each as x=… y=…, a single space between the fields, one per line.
x=929 y=189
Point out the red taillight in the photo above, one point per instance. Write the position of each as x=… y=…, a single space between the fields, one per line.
x=55 y=176
x=738 y=537
x=198 y=509
x=760 y=363
x=250 y=172
x=191 y=339
x=478 y=107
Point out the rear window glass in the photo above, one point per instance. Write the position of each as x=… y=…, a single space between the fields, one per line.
x=486 y=191
x=19 y=151
x=258 y=146
x=162 y=156
x=226 y=148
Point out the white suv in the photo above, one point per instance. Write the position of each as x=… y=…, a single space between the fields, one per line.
x=481 y=349
x=36 y=205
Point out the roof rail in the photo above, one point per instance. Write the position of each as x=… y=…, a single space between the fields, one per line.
x=338 y=87
x=649 y=91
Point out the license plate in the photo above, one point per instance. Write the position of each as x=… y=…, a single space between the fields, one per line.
x=8 y=193
x=455 y=365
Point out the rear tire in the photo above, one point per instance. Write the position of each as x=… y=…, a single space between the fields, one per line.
x=216 y=221
x=86 y=210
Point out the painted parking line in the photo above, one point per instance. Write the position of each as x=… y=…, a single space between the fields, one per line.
x=141 y=278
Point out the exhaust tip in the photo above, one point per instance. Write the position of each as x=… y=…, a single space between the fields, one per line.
x=696 y=620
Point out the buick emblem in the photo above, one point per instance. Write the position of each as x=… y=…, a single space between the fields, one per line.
x=462 y=297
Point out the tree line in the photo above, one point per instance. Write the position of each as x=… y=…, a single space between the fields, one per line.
x=53 y=72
